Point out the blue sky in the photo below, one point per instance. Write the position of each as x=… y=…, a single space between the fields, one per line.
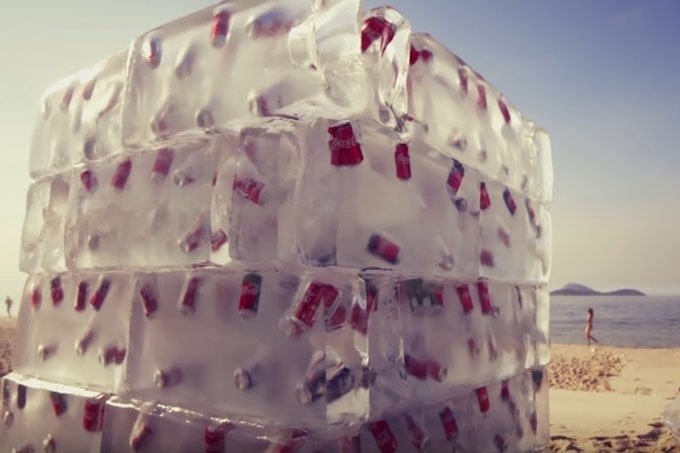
x=601 y=77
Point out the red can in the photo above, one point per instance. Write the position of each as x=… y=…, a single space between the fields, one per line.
x=141 y=436
x=359 y=316
x=83 y=344
x=162 y=164
x=81 y=296
x=217 y=240
x=220 y=28
x=416 y=433
x=483 y=399
x=100 y=293
x=384 y=438
x=500 y=443
x=93 y=414
x=214 y=437
x=505 y=390
x=154 y=52
x=448 y=423
x=463 y=80
x=251 y=287
x=121 y=175
x=192 y=237
x=168 y=378
x=189 y=295
x=484 y=199
x=111 y=355
x=465 y=298
x=486 y=258
x=308 y=307
x=350 y=445
x=345 y=150
x=335 y=317
x=455 y=179
x=509 y=201
x=249 y=189
x=423 y=55
x=46 y=351
x=148 y=298
x=436 y=371
x=375 y=28
x=415 y=367
x=89 y=180
x=245 y=379
x=481 y=96
x=383 y=248
x=484 y=297
x=504 y=110
x=36 y=297
x=402 y=162
x=56 y=291
x=58 y=403
x=437 y=296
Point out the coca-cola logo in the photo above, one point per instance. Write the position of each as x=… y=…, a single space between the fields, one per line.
x=342 y=143
x=250 y=289
x=403 y=159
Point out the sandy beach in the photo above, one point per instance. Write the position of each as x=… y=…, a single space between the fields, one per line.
x=606 y=400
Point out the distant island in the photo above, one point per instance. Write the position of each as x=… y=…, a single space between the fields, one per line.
x=576 y=289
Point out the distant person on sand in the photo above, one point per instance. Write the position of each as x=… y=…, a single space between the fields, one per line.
x=589 y=327
x=9 y=302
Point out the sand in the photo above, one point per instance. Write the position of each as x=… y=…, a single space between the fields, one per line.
x=609 y=400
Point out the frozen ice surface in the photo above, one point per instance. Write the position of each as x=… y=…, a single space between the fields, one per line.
x=80 y=118
x=42 y=242
x=73 y=328
x=49 y=417
x=671 y=416
x=166 y=190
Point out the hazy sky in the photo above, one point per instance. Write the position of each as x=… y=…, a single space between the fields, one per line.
x=600 y=76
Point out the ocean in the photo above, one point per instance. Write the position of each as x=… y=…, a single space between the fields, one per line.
x=633 y=321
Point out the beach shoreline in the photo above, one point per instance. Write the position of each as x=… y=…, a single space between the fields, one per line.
x=606 y=400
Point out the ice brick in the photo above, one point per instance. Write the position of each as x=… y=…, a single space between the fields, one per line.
x=167 y=190
x=73 y=328
x=45 y=416
x=42 y=242
x=80 y=118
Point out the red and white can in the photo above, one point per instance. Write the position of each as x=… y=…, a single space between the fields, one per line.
x=465 y=298
x=481 y=96
x=383 y=248
x=84 y=343
x=121 y=174
x=217 y=240
x=463 y=81
x=36 y=297
x=484 y=298
x=58 y=403
x=249 y=189
x=154 y=52
x=416 y=367
x=189 y=295
x=344 y=147
x=81 y=296
x=484 y=198
x=168 y=377
x=509 y=201
x=89 y=180
x=162 y=164
x=359 y=316
x=141 y=435
x=448 y=423
x=214 y=436
x=455 y=178
x=473 y=349
x=111 y=354
x=384 y=438
x=191 y=239
x=56 y=291
x=416 y=432
x=483 y=399
x=402 y=161
x=376 y=28
x=503 y=107
x=93 y=414
x=486 y=258
x=505 y=390
x=220 y=28
x=251 y=287
x=147 y=295
x=100 y=293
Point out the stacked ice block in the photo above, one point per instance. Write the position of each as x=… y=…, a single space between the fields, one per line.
x=283 y=226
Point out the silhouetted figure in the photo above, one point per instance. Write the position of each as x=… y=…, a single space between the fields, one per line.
x=589 y=327
x=9 y=302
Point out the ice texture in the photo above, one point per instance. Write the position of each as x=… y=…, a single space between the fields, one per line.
x=283 y=225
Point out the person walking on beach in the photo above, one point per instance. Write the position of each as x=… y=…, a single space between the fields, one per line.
x=9 y=302
x=589 y=327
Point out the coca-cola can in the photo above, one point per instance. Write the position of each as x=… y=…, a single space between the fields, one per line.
x=486 y=258
x=437 y=296
x=436 y=371
x=169 y=377
x=100 y=293
x=505 y=390
x=148 y=297
x=249 y=189
x=448 y=423
x=45 y=351
x=483 y=399
x=217 y=240
x=500 y=443
x=484 y=199
x=503 y=107
x=312 y=388
x=246 y=378
x=376 y=28
x=251 y=287
x=481 y=96
x=463 y=81
x=465 y=298
x=189 y=295
x=141 y=435
x=344 y=147
x=22 y=390
x=36 y=297
x=416 y=432
x=349 y=444
x=214 y=436
x=383 y=248
x=340 y=383
x=416 y=367
x=111 y=354
x=154 y=52
x=335 y=316
x=461 y=204
x=191 y=239
x=509 y=201
x=402 y=162
x=308 y=307
x=473 y=349
x=455 y=178
x=162 y=164
x=359 y=316
x=484 y=298
x=220 y=28
x=81 y=296
x=56 y=291
x=384 y=438
x=58 y=403
x=89 y=180
x=93 y=414
x=121 y=174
